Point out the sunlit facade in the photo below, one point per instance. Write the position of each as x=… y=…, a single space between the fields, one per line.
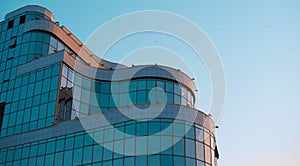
x=53 y=89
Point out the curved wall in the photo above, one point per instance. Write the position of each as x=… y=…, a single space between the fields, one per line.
x=51 y=82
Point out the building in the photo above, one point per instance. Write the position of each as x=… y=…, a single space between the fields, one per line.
x=62 y=105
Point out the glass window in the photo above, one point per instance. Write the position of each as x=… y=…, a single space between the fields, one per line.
x=98 y=136
x=87 y=157
x=53 y=42
x=153 y=160
x=97 y=87
x=177 y=99
x=153 y=144
x=141 y=147
x=113 y=100
x=190 y=131
x=133 y=96
x=33 y=36
x=151 y=83
x=17 y=154
x=107 y=163
x=58 y=158
x=26 y=37
x=178 y=129
x=69 y=143
x=50 y=147
x=78 y=141
x=132 y=85
x=86 y=83
x=161 y=84
x=199 y=135
x=141 y=160
x=129 y=161
x=115 y=87
x=25 y=152
x=141 y=129
x=166 y=127
x=118 y=147
x=40 y=160
x=97 y=153
x=177 y=89
x=77 y=157
x=123 y=101
x=164 y=141
x=38 y=88
x=190 y=162
x=9 y=155
x=64 y=71
x=130 y=129
x=78 y=79
x=55 y=70
x=166 y=160
x=105 y=87
x=178 y=161
x=169 y=87
x=107 y=154
x=46 y=38
x=200 y=151
x=160 y=97
x=153 y=127
x=141 y=85
x=119 y=132
x=60 y=145
x=141 y=97
x=129 y=146
x=200 y=163
x=124 y=87
x=68 y=157
x=207 y=154
x=85 y=96
x=170 y=98
x=104 y=100
x=41 y=149
x=38 y=48
x=108 y=135
x=206 y=138
x=33 y=150
x=190 y=148
x=118 y=162
x=88 y=140
x=46 y=85
x=60 y=46
x=77 y=92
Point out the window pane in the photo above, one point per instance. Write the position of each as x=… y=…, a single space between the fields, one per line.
x=132 y=85
x=200 y=151
x=190 y=148
x=151 y=83
x=141 y=97
x=141 y=85
x=178 y=161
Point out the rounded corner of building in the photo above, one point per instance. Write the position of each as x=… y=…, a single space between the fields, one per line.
x=30 y=8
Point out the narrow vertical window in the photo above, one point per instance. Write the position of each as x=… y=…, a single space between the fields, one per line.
x=2 y=106
x=22 y=19
x=10 y=24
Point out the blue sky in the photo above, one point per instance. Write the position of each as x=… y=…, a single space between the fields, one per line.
x=259 y=44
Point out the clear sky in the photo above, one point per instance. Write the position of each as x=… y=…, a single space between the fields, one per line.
x=259 y=44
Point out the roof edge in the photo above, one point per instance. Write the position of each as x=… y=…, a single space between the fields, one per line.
x=32 y=8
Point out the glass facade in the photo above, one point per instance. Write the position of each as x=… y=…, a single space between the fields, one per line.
x=88 y=94
x=30 y=101
x=51 y=95
x=196 y=148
